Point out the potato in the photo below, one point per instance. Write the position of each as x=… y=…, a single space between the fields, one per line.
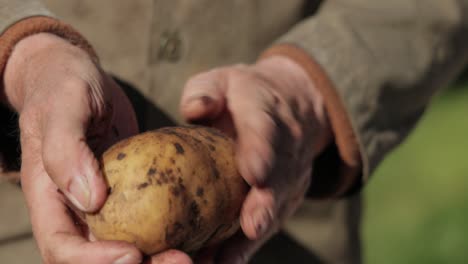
x=175 y=187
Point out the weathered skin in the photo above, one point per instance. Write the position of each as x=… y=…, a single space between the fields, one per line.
x=175 y=187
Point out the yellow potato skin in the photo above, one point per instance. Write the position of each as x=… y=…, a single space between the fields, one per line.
x=175 y=187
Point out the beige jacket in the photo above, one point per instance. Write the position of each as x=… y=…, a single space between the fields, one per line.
x=377 y=63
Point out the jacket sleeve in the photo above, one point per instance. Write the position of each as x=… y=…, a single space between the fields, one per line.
x=12 y=11
x=377 y=63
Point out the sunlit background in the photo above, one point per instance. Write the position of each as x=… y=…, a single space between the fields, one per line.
x=417 y=200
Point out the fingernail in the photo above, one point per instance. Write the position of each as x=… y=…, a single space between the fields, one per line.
x=205 y=100
x=262 y=221
x=80 y=193
x=128 y=259
x=200 y=98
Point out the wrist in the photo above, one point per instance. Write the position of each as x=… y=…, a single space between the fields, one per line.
x=287 y=73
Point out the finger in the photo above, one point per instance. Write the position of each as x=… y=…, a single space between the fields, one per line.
x=67 y=158
x=249 y=107
x=266 y=207
x=252 y=109
x=258 y=212
x=291 y=124
x=203 y=96
x=59 y=239
x=171 y=257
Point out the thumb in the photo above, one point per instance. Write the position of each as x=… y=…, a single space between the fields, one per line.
x=203 y=96
x=67 y=158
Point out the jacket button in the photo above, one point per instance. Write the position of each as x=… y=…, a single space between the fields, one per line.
x=169 y=46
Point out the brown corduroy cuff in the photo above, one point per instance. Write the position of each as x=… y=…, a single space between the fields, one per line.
x=325 y=185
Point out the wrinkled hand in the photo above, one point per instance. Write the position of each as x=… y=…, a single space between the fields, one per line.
x=69 y=110
x=277 y=117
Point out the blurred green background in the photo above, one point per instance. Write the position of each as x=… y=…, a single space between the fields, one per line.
x=417 y=201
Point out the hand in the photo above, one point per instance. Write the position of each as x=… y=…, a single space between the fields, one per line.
x=277 y=117
x=69 y=110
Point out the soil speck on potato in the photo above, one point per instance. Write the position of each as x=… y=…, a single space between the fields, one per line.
x=215 y=172
x=151 y=172
x=179 y=148
x=101 y=218
x=210 y=139
x=121 y=156
x=194 y=215
x=178 y=188
x=152 y=175
x=175 y=190
x=212 y=148
x=142 y=185
x=180 y=181
x=109 y=191
x=172 y=178
x=200 y=191
x=163 y=177
x=173 y=234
